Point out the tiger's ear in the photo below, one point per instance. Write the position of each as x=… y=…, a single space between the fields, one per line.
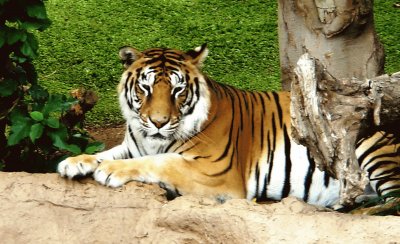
x=128 y=55
x=198 y=55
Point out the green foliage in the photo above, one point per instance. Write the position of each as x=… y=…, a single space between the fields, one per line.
x=387 y=25
x=241 y=36
x=33 y=135
x=385 y=199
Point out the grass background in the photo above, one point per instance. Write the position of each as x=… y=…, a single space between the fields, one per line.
x=80 y=47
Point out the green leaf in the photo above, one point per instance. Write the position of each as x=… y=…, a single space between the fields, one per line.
x=20 y=127
x=14 y=35
x=27 y=50
x=40 y=25
x=53 y=123
x=55 y=103
x=58 y=142
x=37 y=92
x=21 y=59
x=30 y=46
x=36 y=132
x=8 y=87
x=61 y=132
x=37 y=10
x=36 y=115
x=21 y=75
x=94 y=147
x=3 y=1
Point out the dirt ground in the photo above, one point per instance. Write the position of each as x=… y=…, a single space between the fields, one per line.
x=45 y=208
x=68 y=211
x=110 y=135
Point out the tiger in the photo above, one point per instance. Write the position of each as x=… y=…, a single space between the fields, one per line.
x=193 y=135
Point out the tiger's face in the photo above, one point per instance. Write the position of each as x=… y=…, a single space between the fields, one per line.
x=163 y=93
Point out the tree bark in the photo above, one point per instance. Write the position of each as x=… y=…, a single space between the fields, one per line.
x=340 y=33
x=328 y=115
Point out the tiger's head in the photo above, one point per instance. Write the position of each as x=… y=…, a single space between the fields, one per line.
x=163 y=93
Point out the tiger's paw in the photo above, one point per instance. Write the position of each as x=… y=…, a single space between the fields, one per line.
x=81 y=165
x=113 y=174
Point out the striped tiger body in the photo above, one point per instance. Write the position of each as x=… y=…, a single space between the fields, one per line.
x=193 y=135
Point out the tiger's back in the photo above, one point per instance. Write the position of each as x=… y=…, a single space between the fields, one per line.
x=193 y=135
x=250 y=139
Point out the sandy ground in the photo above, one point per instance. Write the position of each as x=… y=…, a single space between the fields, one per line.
x=45 y=208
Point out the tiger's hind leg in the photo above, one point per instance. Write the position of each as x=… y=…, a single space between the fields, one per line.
x=380 y=158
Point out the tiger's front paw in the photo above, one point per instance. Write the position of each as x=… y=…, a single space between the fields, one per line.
x=113 y=174
x=77 y=166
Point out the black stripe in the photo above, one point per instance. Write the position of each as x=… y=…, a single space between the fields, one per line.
x=272 y=148
x=263 y=195
x=197 y=91
x=216 y=87
x=327 y=178
x=278 y=106
x=129 y=154
x=133 y=139
x=308 y=179
x=273 y=131
x=253 y=114
x=371 y=160
x=253 y=97
x=377 y=165
x=267 y=94
x=262 y=123
x=169 y=146
x=228 y=144
x=377 y=145
x=262 y=102
x=389 y=172
x=227 y=169
x=126 y=91
x=197 y=157
x=192 y=101
x=288 y=164
x=392 y=188
x=172 y=62
x=236 y=149
x=381 y=182
x=246 y=100
x=271 y=152
x=257 y=177
x=189 y=97
x=237 y=95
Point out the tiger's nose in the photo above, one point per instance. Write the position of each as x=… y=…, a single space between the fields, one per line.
x=159 y=120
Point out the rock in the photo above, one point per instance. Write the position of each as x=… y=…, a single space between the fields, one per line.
x=45 y=208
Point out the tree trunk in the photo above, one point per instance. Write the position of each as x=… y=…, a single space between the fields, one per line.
x=340 y=33
x=328 y=115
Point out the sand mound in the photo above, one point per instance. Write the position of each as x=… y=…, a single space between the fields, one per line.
x=44 y=208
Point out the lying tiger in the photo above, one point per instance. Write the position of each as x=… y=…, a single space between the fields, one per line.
x=193 y=135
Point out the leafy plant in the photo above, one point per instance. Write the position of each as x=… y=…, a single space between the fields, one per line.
x=34 y=135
